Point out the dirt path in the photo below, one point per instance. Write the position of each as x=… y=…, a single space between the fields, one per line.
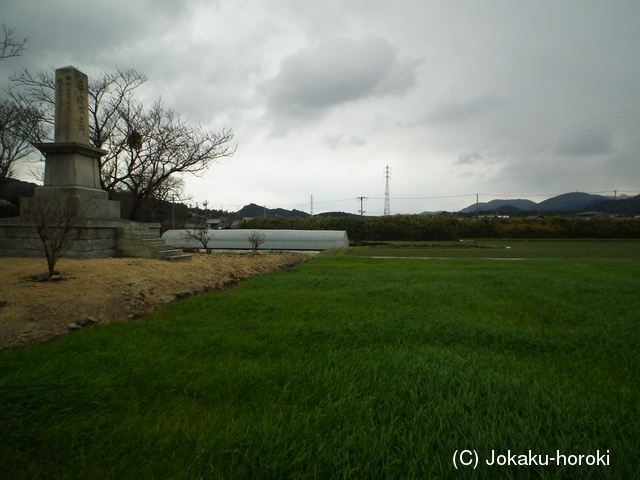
x=112 y=289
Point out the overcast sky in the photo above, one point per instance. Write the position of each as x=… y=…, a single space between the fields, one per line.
x=502 y=98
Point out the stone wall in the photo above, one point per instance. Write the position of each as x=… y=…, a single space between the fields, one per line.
x=90 y=242
x=92 y=239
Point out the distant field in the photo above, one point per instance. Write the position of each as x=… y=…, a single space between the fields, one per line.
x=503 y=249
x=344 y=367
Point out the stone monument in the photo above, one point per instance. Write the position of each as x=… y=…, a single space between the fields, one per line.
x=72 y=165
x=72 y=175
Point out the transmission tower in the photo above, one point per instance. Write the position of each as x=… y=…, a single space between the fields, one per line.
x=311 y=209
x=387 y=175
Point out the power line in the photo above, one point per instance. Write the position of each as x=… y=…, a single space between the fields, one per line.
x=435 y=198
x=568 y=140
x=565 y=139
x=334 y=201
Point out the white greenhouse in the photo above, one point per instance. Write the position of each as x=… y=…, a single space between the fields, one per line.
x=273 y=239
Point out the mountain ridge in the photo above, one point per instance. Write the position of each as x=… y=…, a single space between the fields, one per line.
x=573 y=202
x=565 y=204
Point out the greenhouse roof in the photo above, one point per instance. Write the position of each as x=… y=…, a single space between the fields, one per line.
x=273 y=239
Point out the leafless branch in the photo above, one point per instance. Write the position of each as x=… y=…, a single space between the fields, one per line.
x=20 y=127
x=10 y=47
x=256 y=238
x=56 y=223
x=200 y=233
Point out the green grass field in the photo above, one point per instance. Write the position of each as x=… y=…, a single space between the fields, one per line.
x=511 y=248
x=345 y=367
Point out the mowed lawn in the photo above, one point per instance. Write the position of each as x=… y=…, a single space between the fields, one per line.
x=345 y=367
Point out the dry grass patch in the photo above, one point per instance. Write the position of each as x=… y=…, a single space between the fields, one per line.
x=113 y=288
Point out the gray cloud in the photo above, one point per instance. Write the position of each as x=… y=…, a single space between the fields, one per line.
x=472 y=157
x=459 y=111
x=585 y=146
x=339 y=140
x=336 y=72
x=88 y=34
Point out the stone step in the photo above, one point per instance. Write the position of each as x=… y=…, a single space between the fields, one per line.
x=179 y=258
x=170 y=253
x=156 y=250
x=142 y=242
x=139 y=235
x=153 y=241
x=145 y=243
x=173 y=255
x=131 y=229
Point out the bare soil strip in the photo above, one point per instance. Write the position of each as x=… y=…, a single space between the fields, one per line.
x=93 y=291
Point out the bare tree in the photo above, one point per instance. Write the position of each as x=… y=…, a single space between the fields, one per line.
x=200 y=233
x=10 y=47
x=36 y=173
x=172 y=190
x=57 y=225
x=20 y=127
x=156 y=145
x=147 y=148
x=256 y=239
x=110 y=94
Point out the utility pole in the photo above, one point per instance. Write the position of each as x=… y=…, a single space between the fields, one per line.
x=311 y=209
x=362 y=199
x=387 y=175
x=173 y=212
x=477 y=206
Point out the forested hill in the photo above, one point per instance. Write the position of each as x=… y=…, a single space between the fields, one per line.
x=12 y=189
x=254 y=211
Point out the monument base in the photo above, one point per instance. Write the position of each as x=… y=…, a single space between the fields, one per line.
x=92 y=224
x=96 y=203
x=71 y=163
x=92 y=239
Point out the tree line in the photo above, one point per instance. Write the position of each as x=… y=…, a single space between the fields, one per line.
x=449 y=227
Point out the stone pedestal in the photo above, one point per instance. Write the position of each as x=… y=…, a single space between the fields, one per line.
x=73 y=170
x=72 y=165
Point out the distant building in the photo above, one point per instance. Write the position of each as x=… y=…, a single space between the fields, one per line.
x=215 y=224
